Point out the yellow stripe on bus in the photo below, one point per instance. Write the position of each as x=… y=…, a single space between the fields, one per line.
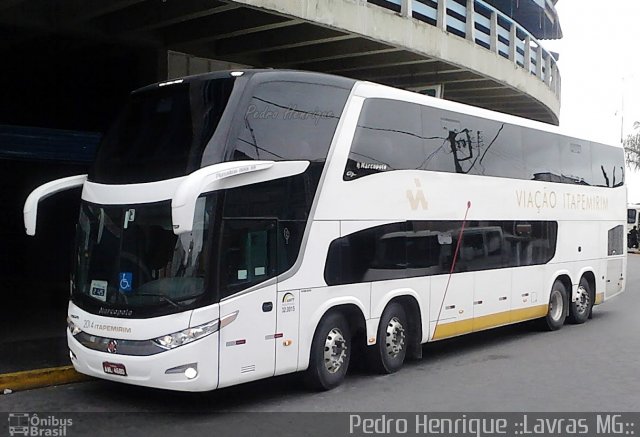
x=445 y=330
x=599 y=299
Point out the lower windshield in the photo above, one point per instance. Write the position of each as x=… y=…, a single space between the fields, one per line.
x=129 y=263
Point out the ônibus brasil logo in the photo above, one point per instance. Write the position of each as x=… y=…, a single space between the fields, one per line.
x=29 y=424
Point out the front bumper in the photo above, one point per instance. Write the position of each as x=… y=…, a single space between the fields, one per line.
x=150 y=371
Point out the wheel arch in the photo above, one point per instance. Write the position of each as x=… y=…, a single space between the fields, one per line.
x=410 y=300
x=351 y=309
x=590 y=276
x=565 y=279
x=412 y=309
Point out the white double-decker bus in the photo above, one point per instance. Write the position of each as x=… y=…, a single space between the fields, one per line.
x=240 y=225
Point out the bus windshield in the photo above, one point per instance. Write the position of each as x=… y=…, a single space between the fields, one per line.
x=162 y=132
x=128 y=260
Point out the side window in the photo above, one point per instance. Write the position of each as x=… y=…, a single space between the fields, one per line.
x=372 y=254
x=541 y=152
x=249 y=254
x=615 y=240
x=458 y=143
x=631 y=216
x=529 y=243
x=575 y=157
x=499 y=150
x=607 y=165
x=263 y=227
x=426 y=248
x=290 y=121
x=388 y=137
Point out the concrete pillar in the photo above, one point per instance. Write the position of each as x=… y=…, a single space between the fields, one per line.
x=527 y=54
x=539 y=61
x=547 y=70
x=442 y=15
x=470 y=29
x=557 y=87
x=513 y=37
x=493 y=34
x=406 y=9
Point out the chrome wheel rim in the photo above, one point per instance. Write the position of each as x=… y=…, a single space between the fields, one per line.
x=395 y=337
x=584 y=300
x=335 y=350
x=556 y=305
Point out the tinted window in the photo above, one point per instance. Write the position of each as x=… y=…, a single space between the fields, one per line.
x=249 y=253
x=263 y=227
x=631 y=216
x=615 y=240
x=372 y=254
x=388 y=137
x=162 y=132
x=424 y=248
x=607 y=165
x=129 y=261
x=575 y=158
x=462 y=144
x=541 y=152
x=289 y=120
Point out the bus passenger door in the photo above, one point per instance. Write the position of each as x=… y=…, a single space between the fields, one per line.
x=248 y=314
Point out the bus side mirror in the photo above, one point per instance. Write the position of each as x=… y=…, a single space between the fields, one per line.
x=30 y=210
x=222 y=176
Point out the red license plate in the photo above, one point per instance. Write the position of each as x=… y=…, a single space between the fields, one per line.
x=114 y=369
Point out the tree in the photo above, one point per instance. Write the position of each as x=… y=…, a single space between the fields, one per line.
x=632 y=147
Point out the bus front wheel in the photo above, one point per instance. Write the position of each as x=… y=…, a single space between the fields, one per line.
x=580 y=310
x=388 y=355
x=557 y=311
x=330 y=353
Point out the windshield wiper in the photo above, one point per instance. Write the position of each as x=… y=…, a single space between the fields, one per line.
x=162 y=297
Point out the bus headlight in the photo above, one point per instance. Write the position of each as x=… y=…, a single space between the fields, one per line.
x=176 y=339
x=73 y=328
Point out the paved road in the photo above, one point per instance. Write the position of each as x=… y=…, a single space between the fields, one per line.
x=590 y=367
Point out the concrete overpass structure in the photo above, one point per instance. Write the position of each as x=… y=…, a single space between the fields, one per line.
x=467 y=50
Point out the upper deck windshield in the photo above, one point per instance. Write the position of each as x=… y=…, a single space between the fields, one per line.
x=162 y=132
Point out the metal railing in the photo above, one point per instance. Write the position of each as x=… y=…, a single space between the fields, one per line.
x=484 y=25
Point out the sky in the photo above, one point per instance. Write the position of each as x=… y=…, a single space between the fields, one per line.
x=600 y=69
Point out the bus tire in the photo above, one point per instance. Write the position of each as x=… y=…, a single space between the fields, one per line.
x=580 y=310
x=330 y=353
x=388 y=355
x=557 y=310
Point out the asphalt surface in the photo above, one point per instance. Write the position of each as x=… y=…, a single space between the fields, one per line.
x=590 y=367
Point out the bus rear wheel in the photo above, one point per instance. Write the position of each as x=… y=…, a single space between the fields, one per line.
x=330 y=353
x=557 y=311
x=388 y=355
x=580 y=310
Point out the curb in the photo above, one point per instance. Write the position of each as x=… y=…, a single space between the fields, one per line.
x=39 y=378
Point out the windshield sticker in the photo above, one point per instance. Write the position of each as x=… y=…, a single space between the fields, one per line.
x=129 y=217
x=98 y=290
x=242 y=274
x=288 y=303
x=126 y=281
x=259 y=271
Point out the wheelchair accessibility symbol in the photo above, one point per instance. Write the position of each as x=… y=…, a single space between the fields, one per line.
x=126 y=281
